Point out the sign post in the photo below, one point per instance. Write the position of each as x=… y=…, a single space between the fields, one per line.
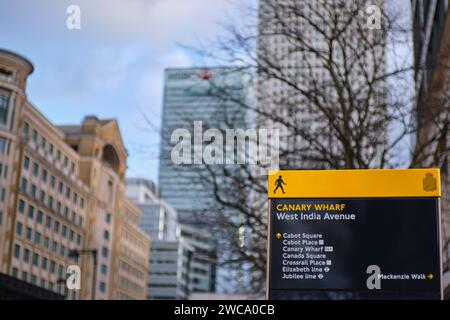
x=354 y=234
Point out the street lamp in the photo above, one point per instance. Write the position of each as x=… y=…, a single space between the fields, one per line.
x=76 y=253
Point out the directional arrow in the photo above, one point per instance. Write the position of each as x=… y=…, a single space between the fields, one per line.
x=430 y=276
x=278 y=235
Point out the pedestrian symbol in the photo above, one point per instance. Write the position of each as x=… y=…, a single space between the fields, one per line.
x=279 y=184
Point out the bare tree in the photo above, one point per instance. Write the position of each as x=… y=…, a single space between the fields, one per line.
x=340 y=92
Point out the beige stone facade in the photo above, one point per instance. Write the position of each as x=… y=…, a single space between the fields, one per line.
x=63 y=189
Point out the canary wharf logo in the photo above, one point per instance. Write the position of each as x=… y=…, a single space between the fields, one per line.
x=429 y=182
x=257 y=147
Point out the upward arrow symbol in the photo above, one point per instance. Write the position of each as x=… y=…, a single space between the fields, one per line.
x=278 y=235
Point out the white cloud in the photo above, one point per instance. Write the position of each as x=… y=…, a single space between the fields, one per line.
x=114 y=65
x=157 y=22
x=154 y=20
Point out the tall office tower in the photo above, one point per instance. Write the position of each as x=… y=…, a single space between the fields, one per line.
x=432 y=79
x=180 y=259
x=197 y=95
x=169 y=274
x=202 y=268
x=169 y=265
x=158 y=219
x=196 y=100
x=63 y=199
x=313 y=62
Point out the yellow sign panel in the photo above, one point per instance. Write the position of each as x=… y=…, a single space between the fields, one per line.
x=354 y=183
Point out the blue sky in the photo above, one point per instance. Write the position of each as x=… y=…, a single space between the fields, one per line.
x=112 y=67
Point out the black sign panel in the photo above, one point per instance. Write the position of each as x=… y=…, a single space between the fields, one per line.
x=354 y=248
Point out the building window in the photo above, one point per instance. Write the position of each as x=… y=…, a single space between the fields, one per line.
x=15 y=272
x=35 y=169
x=71 y=235
x=33 y=191
x=60 y=187
x=47 y=242
x=31 y=212
x=82 y=203
x=35 y=135
x=52 y=266
x=55 y=246
x=40 y=217
x=35 y=259
x=48 y=222
x=58 y=155
x=57 y=226
x=37 y=238
x=21 y=206
x=64 y=231
x=105 y=252
x=42 y=196
x=44 y=175
x=104 y=269
x=61 y=270
x=44 y=263
x=26 y=255
x=63 y=250
x=23 y=185
x=108 y=217
x=102 y=287
x=24 y=276
x=19 y=228
x=26 y=162
x=2 y=145
x=78 y=239
x=110 y=191
x=4 y=101
x=43 y=143
x=66 y=161
x=33 y=279
x=106 y=234
x=51 y=149
x=17 y=251
x=52 y=182
x=29 y=233
x=26 y=129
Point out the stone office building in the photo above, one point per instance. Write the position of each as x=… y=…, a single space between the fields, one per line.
x=62 y=199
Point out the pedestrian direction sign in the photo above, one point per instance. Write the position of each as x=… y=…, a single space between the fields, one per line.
x=354 y=234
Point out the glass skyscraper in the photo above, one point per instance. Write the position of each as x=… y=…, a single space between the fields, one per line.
x=210 y=98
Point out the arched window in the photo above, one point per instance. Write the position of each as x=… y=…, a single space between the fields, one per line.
x=111 y=158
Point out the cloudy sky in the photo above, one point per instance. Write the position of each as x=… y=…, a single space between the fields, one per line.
x=113 y=66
